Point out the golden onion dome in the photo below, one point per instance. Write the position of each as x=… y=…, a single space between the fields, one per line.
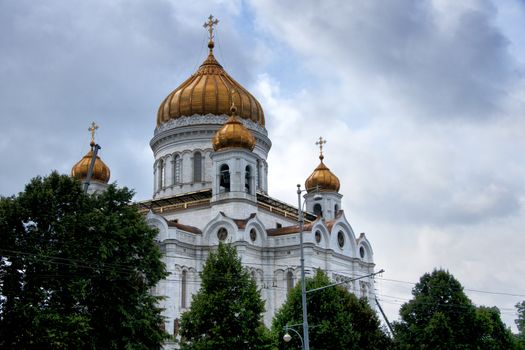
x=208 y=92
x=233 y=134
x=322 y=179
x=100 y=170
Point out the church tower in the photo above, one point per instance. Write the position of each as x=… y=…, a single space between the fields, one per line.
x=189 y=117
x=322 y=186
x=98 y=180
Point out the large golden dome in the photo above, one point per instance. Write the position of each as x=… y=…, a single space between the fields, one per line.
x=208 y=92
x=100 y=170
x=233 y=134
x=322 y=179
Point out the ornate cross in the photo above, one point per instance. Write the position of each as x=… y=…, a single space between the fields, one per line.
x=92 y=130
x=209 y=25
x=232 y=92
x=320 y=143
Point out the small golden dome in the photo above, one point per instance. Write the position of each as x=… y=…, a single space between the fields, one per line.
x=208 y=92
x=322 y=179
x=233 y=134
x=100 y=170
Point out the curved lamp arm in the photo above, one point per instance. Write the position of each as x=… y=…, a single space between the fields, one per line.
x=287 y=337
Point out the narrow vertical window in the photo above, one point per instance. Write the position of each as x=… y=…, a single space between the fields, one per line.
x=176 y=178
x=197 y=167
x=248 y=179
x=224 y=178
x=183 y=289
x=160 y=173
x=259 y=178
x=318 y=210
x=289 y=281
x=176 y=326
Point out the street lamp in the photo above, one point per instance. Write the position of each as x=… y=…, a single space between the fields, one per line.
x=306 y=343
x=287 y=337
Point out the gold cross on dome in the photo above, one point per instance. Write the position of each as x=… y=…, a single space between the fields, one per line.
x=232 y=92
x=92 y=130
x=208 y=25
x=320 y=143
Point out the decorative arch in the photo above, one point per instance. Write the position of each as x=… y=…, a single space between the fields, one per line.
x=157 y=221
x=255 y=223
x=364 y=244
x=350 y=246
x=325 y=234
x=210 y=231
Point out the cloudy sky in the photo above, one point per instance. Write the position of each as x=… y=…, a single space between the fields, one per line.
x=422 y=103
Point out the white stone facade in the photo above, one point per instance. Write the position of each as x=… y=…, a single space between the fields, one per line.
x=194 y=207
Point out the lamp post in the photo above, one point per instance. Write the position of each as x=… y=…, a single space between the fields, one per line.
x=287 y=337
x=306 y=343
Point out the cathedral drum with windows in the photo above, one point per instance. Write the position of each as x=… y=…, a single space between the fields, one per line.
x=210 y=185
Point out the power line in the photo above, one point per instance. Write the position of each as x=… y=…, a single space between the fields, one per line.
x=109 y=266
x=467 y=289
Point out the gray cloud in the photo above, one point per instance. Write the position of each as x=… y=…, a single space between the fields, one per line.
x=421 y=103
x=65 y=64
x=436 y=66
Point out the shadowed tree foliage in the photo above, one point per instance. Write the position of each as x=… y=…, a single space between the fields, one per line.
x=226 y=313
x=520 y=323
x=76 y=270
x=441 y=316
x=337 y=319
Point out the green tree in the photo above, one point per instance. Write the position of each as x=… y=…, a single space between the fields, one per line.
x=520 y=322
x=441 y=316
x=337 y=319
x=493 y=334
x=226 y=312
x=76 y=270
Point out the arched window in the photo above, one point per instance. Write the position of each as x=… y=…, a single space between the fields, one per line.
x=176 y=169
x=160 y=174
x=197 y=167
x=247 y=179
x=259 y=178
x=224 y=183
x=183 y=283
x=318 y=210
x=336 y=209
x=289 y=281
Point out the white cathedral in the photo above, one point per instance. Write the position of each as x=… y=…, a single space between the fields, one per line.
x=211 y=184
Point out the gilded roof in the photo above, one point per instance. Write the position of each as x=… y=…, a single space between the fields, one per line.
x=100 y=170
x=208 y=91
x=233 y=135
x=322 y=179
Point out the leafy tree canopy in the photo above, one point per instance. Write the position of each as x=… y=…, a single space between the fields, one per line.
x=76 y=270
x=441 y=316
x=520 y=322
x=337 y=319
x=226 y=312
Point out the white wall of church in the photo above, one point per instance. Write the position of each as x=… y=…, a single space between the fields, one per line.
x=273 y=260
